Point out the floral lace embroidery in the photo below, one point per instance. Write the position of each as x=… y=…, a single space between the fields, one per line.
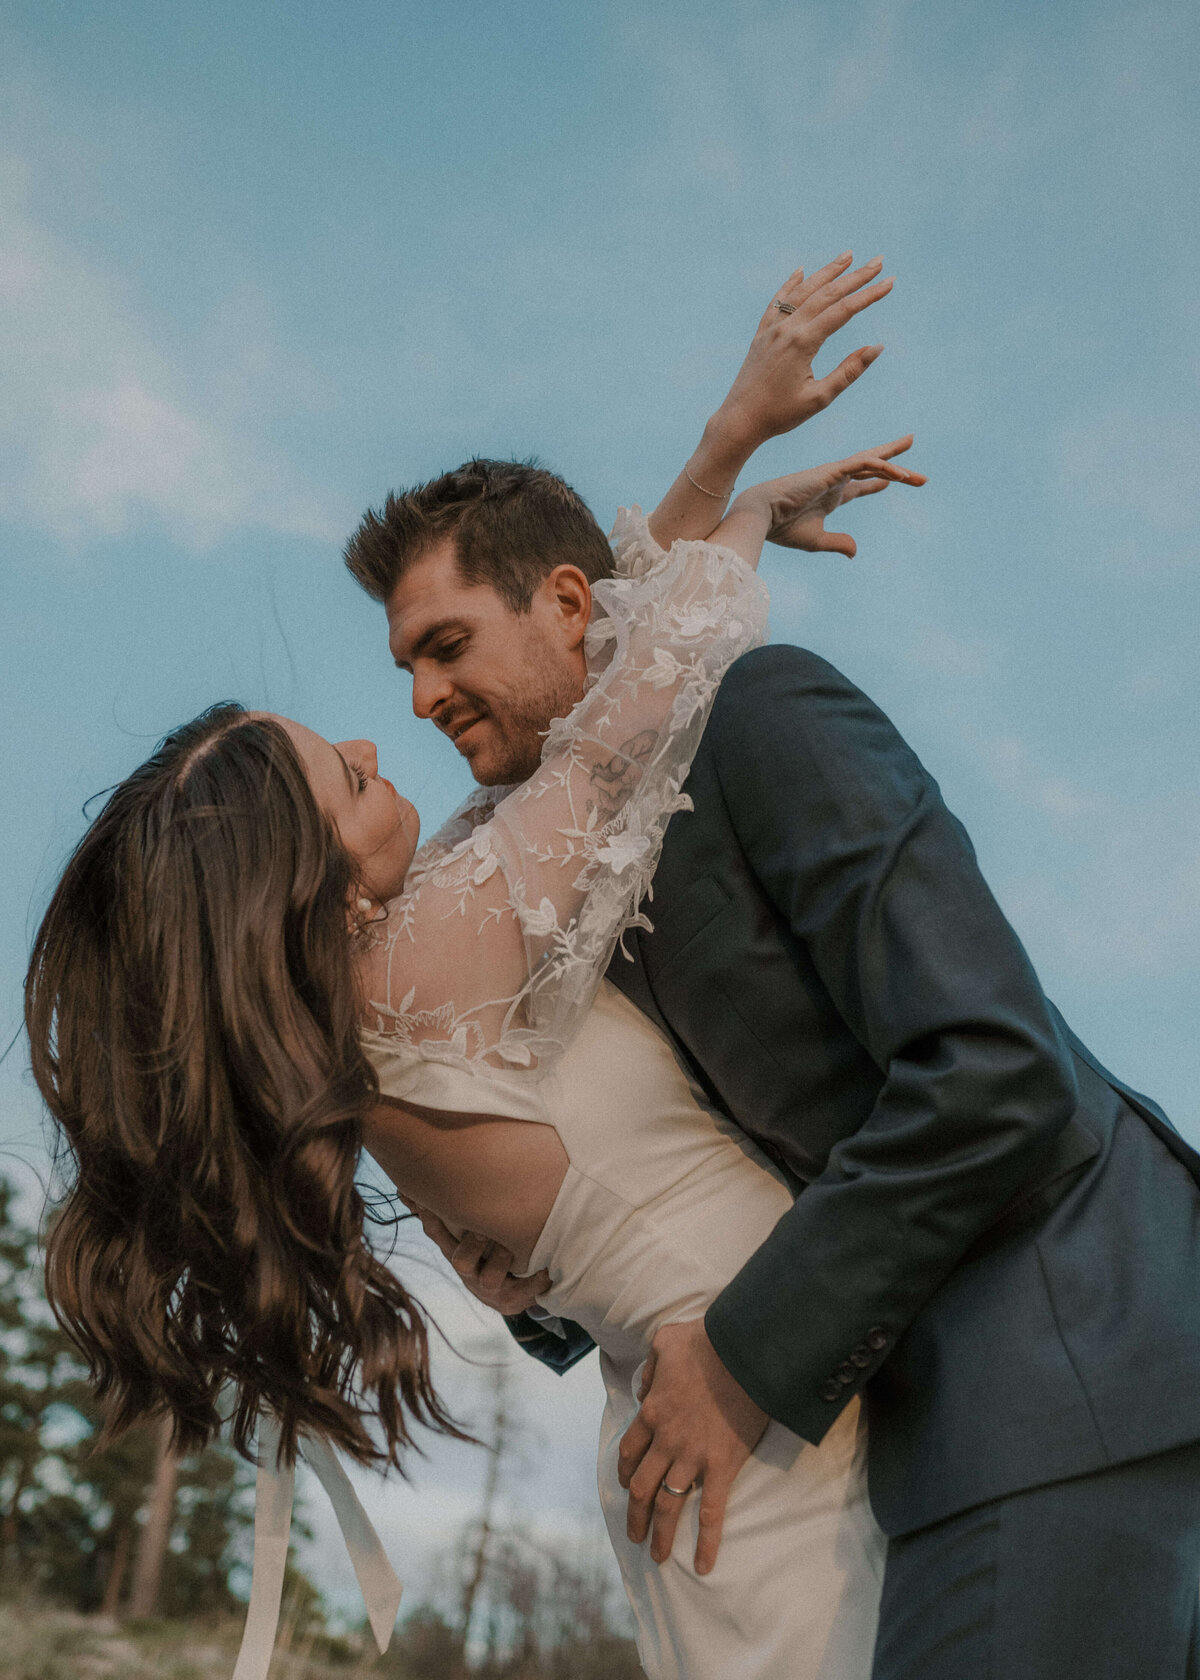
x=512 y=911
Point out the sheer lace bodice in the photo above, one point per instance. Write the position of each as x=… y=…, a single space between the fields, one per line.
x=511 y=912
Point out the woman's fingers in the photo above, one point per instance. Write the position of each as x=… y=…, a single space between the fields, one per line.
x=834 y=542
x=469 y=1252
x=840 y=286
x=801 y=503
x=846 y=372
x=788 y=292
x=879 y=462
x=825 y=286
x=885 y=469
x=896 y=447
x=822 y=277
x=796 y=290
x=518 y=1294
x=494 y=1266
x=437 y=1232
x=836 y=314
x=830 y=297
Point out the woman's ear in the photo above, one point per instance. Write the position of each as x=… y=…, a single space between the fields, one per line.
x=361 y=913
x=570 y=595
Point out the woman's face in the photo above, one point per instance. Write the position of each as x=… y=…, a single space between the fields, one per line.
x=378 y=828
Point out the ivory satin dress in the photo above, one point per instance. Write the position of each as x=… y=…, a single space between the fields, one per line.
x=663 y=1201
x=487 y=997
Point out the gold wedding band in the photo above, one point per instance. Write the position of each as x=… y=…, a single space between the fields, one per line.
x=785 y=308
x=679 y=1493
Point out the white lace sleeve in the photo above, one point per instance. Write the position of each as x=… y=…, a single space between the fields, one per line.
x=478 y=807
x=511 y=913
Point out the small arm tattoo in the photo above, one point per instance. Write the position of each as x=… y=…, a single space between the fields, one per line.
x=615 y=779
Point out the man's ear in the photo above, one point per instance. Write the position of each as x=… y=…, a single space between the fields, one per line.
x=569 y=596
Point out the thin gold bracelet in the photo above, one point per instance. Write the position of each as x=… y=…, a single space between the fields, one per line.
x=716 y=495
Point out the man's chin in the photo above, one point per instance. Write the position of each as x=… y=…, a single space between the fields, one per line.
x=495 y=764
x=497 y=775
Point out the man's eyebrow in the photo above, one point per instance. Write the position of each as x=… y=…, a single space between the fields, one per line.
x=429 y=635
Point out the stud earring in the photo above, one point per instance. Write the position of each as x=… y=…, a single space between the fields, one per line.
x=364 y=904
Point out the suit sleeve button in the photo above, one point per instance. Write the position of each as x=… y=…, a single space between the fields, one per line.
x=831 y=1390
x=861 y=1357
x=846 y=1373
x=877 y=1338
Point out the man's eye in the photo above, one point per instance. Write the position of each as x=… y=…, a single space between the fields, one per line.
x=359 y=774
x=451 y=650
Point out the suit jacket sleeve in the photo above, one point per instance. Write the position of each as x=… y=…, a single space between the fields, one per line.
x=849 y=838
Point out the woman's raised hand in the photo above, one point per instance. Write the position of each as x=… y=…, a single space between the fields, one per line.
x=799 y=504
x=792 y=511
x=776 y=389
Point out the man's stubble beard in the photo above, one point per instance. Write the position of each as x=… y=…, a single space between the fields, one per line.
x=521 y=727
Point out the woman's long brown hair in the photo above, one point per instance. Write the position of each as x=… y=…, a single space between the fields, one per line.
x=193 y=1019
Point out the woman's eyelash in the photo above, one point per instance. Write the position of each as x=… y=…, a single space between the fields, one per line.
x=361 y=775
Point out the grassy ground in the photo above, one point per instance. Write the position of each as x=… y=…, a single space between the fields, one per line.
x=41 y=1642
x=37 y=1643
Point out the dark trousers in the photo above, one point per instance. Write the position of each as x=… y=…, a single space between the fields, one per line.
x=1097 y=1578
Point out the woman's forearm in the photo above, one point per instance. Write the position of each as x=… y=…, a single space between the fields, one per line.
x=744 y=529
x=692 y=508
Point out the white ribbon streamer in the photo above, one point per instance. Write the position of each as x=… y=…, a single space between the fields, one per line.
x=381 y=1588
x=273 y=1496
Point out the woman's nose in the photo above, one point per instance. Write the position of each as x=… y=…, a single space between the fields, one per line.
x=363 y=752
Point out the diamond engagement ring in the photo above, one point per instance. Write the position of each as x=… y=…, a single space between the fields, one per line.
x=679 y=1493
x=785 y=308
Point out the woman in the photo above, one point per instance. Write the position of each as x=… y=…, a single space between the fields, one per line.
x=244 y=955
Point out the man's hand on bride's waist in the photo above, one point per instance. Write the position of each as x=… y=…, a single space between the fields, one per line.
x=696 y=1425
x=484 y=1266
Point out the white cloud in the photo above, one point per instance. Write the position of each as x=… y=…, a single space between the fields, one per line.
x=104 y=427
x=1132 y=907
x=1136 y=467
x=950 y=656
x=1125 y=902
x=1014 y=769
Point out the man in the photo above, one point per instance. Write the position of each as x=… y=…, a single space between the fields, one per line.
x=996 y=1242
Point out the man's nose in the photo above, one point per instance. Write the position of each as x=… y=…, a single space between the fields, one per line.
x=431 y=690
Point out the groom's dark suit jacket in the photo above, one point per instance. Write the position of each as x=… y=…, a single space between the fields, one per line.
x=996 y=1241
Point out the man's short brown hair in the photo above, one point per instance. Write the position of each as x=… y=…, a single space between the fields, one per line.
x=512 y=523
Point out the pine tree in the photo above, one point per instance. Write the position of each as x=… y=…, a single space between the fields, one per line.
x=69 y=1510
x=40 y=1376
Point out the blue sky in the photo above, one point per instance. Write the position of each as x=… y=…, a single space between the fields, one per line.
x=260 y=264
